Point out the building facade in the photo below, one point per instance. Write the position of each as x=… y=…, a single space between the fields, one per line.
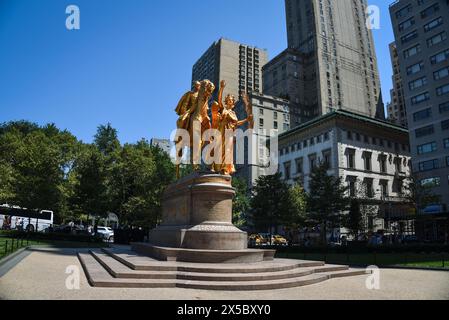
x=271 y=118
x=164 y=144
x=290 y=76
x=342 y=60
x=238 y=64
x=396 y=109
x=421 y=31
x=371 y=156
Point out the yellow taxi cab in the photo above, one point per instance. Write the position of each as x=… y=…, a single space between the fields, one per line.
x=279 y=240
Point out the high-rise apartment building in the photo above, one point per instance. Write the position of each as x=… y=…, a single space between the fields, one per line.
x=238 y=64
x=421 y=29
x=289 y=76
x=340 y=46
x=396 y=109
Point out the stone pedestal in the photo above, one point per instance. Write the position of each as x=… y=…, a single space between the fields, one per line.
x=197 y=214
x=197 y=223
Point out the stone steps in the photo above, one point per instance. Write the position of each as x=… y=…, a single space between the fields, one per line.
x=119 y=270
x=144 y=263
x=107 y=269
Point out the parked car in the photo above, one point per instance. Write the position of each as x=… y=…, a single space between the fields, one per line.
x=256 y=240
x=279 y=240
x=106 y=233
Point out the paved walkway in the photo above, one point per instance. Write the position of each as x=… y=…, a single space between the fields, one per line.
x=42 y=275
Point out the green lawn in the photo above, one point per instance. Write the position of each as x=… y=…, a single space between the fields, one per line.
x=384 y=259
x=57 y=244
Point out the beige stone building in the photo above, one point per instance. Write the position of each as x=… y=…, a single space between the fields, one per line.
x=372 y=157
x=271 y=118
x=238 y=64
x=342 y=63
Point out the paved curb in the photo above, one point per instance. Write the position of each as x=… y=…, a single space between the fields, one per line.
x=9 y=262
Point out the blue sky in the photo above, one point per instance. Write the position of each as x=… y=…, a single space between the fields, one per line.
x=131 y=60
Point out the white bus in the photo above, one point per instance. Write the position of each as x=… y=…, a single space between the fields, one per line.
x=15 y=218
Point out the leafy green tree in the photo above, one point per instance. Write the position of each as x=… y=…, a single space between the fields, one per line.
x=89 y=190
x=298 y=203
x=270 y=204
x=241 y=202
x=106 y=139
x=354 y=220
x=35 y=162
x=6 y=182
x=420 y=195
x=326 y=199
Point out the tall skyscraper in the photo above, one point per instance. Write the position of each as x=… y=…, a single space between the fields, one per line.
x=238 y=64
x=396 y=109
x=421 y=33
x=342 y=59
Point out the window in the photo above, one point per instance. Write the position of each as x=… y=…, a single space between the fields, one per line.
x=436 y=39
x=383 y=164
x=350 y=156
x=367 y=160
x=445 y=125
x=423 y=114
x=443 y=90
x=415 y=68
x=398 y=186
x=327 y=158
x=409 y=37
x=431 y=182
x=299 y=166
x=275 y=124
x=305 y=143
x=412 y=51
x=441 y=74
x=430 y=10
x=446 y=143
x=427 y=148
x=421 y=97
x=384 y=188
x=444 y=107
x=287 y=170
x=312 y=162
x=418 y=83
x=440 y=57
x=447 y=161
x=422 y=132
x=326 y=136
x=261 y=111
x=349 y=135
x=403 y=12
x=369 y=188
x=261 y=122
x=433 y=24
x=398 y=164
x=406 y=24
x=352 y=187
x=428 y=165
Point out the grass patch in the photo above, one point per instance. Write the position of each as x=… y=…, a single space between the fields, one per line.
x=423 y=260
x=11 y=245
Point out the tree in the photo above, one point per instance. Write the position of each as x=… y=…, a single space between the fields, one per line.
x=241 y=202
x=298 y=203
x=419 y=195
x=89 y=191
x=106 y=139
x=270 y=204
x=326 y=199
x=354 y=221
x=139 y=177
x=6 y=182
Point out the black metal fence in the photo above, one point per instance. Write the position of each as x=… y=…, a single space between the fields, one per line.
x=10 y=245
